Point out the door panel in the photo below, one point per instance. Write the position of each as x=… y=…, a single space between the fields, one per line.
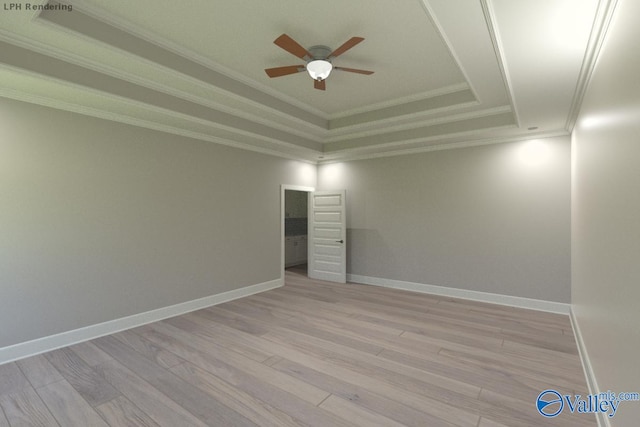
x=327 y=217
x=327 y=233
x=327 y=236
x=329 y=200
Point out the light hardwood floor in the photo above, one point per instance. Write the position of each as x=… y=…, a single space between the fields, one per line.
x=311 y=353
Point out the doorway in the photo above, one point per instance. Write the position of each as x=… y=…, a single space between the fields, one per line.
x=294 y=232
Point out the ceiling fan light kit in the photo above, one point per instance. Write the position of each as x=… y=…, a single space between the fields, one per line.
x=318 y=60
x=319 y=69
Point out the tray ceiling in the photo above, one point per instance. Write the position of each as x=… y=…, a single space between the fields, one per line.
x=446 y=73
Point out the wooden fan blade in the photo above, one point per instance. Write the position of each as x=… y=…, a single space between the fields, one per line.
x=320 y=84
x=292 y=46
x=354 y=70
x=284 y=71
x=346 y=46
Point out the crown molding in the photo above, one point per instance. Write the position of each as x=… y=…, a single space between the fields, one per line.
x=604 y=14
x=166 y=57
x=465 y=143
x=170 y=48
x=184 y=51
x=447 y=42
x=89 y=65
x=399 y=101
x=307 y=156
x=61 y=72
x=487 y=10
x=422 y=134
x=312 y=132
x=402 y=112
x=174 y=83
x=474 y=114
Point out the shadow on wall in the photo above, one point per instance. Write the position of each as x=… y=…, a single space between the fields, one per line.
x=367 y=247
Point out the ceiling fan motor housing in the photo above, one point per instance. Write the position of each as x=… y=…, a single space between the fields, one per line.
x=319 y=52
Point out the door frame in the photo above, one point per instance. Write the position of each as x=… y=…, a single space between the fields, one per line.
x=284 y=187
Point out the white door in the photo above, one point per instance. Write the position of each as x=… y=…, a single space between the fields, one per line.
x=327 y=257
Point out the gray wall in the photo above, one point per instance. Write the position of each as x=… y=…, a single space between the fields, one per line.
x=100 y=220
x=606 y=214
x=493 y=218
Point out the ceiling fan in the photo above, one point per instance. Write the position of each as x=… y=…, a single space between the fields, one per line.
x=318 y=60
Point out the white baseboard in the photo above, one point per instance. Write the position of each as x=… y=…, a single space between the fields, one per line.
x=64 y=339
x=529 y=303
x=592 y=384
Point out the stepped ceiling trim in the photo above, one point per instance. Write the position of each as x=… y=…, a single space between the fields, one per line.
x=108 y=60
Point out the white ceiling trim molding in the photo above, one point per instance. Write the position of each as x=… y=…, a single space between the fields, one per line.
x=430 y=12
x=466 y=45
x=601 y=23
x=436 y=132
x=302 y=135
x=471 y=70
x=184 y=51
x=407 y=121
x=166 y=53
x=273 y=147
x=344 y=157
x=473 y=114
x=295 y=125
x=399 y=101
x=292 y=153
x=142 y=49
x=61 y=71
x=414 y=109
x=226 y=136
x=238 y=130
x=487 y=10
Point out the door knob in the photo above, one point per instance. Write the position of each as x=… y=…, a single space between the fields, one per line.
x=339 y=241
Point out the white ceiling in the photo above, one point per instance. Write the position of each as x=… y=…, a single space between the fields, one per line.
x=447 y=73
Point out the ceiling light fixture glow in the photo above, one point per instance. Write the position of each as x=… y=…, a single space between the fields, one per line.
x=319 y=69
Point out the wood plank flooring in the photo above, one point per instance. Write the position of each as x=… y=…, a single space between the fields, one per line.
x=310 y=353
